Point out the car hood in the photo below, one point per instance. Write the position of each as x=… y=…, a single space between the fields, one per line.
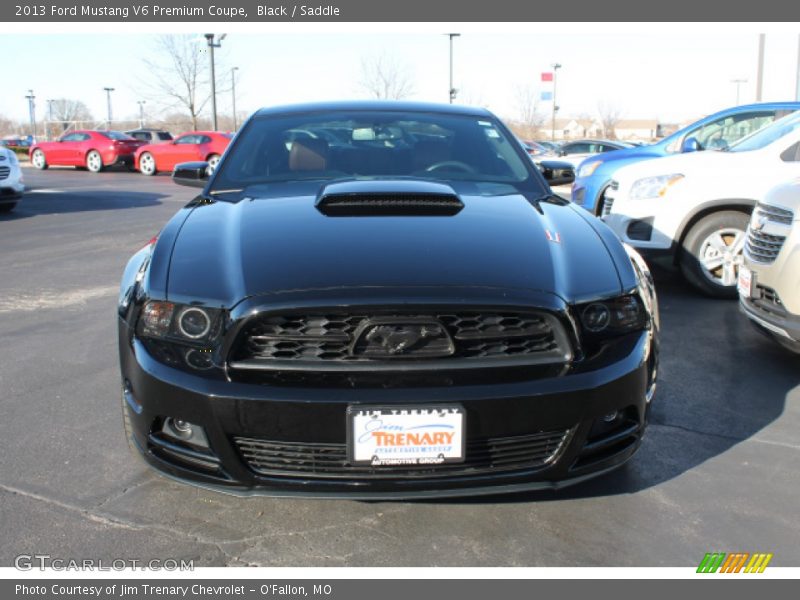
x=229 y=251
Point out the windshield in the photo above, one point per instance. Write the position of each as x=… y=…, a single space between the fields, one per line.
x=374 y=144
x=764 y=137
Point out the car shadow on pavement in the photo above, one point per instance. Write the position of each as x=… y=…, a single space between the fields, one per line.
x=36 y=203
x=720 y=383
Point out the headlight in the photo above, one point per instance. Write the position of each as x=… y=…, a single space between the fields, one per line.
x=586 y=169
x=653 y=187
x=613 y=317
x=180 y=323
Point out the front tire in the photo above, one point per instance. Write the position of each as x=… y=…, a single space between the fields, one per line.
x=94 y=162
x=147 y=164
x=39 y=160
x=713 y=252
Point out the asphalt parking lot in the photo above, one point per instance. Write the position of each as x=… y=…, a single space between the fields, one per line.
x=719 y=469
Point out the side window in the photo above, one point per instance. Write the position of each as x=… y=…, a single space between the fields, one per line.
x=576 y=149
x=72 y=137
x=141 y=135
x=792 y=153
x=83 y=137
x=163 y=135
x=203 y=139
x=723 y=132
x=187 y=139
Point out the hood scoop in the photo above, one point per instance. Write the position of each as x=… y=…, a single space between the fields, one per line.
x=385 y=198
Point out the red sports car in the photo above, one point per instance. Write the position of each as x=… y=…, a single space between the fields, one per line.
x=194 y=146
x=93 y=150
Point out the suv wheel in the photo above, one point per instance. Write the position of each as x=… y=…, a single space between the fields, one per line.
x=713 y=252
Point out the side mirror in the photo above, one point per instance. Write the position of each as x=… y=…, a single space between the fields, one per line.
x=191 y=174
x=690 y=144
x=557 y=172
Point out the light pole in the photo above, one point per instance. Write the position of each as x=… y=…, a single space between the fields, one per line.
x=556 y=67
x=233 y=93
x=49 y=126
x=141 y=104
x=738 y=83
x=762 y=40
x=32 y=112
x=453 y=91
x=211 y=45
x=108 y=100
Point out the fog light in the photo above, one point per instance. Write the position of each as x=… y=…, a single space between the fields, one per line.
x=610 y=417
x=185 y=432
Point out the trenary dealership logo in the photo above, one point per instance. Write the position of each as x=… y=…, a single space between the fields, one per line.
x=736 y=562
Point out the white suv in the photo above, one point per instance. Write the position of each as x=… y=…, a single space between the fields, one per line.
x=769 y=280
x=693 y=209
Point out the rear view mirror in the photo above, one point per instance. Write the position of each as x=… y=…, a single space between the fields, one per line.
x=557 y=172
x=690 y=144
x=191 y=174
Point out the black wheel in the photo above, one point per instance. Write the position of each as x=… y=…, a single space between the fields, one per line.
x=39 y=160
x=712 y=253
x=7 y=207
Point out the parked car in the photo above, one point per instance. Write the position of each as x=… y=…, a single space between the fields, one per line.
x=411 y=314
x=150 y=136
x=11 y=182
x=716 y=131
x=769 y=280
x=576 y=151
x=693 y=209
x=535 y=149
x=92 y=150
x=197 y=145
x=551 y=146
x=15 y=142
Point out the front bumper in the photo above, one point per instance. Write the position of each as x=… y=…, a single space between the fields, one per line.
x=226 y=410
x=11 y=187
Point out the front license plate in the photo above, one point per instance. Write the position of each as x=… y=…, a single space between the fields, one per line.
x=386 y=436
x=745 y=281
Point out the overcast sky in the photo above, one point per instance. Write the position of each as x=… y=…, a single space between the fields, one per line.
x=649 y=72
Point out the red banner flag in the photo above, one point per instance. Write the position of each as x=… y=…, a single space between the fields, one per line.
x=547 y=77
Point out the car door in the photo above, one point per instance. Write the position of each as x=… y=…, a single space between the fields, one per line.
x=62 y=152
x=183 y=149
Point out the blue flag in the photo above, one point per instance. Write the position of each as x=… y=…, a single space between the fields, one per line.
x=547 y=96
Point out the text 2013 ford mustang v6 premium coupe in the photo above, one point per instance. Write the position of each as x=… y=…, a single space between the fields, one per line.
x=384 y=300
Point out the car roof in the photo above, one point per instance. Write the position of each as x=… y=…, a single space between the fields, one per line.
x=367 y=105
x=146 y=130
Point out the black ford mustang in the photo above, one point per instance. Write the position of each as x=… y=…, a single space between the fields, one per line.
x=384 y=300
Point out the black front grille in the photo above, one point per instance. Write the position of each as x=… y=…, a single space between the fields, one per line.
x=762 y=247
x=5 y=172
x=767 y=299
x=320 y=340
x=483 y=456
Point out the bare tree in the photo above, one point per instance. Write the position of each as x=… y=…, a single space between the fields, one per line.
x=66 y=111
x=178 y=77
x=610 y=114
x=529 y=119
x=383 y=77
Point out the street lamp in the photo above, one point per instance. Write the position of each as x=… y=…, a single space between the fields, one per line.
x=211 y=45
x=32 y=112
x=141 y=104
x=233 y=92
x=556 y=67
x=738 y=83
x=453 y=91
x=108 y=100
